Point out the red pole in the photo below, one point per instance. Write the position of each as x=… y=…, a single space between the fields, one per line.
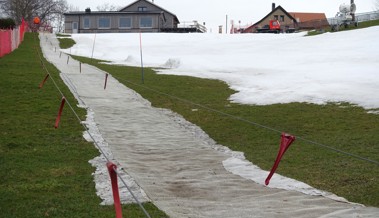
x=116 y=197
x=285 y=142
x=106 y=80
x=60 y=112
x=43 y=82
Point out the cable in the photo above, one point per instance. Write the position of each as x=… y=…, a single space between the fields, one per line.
x=257 y=124
x=87 y=130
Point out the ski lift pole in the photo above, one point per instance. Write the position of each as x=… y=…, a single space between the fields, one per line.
x=93 y=47
x=142 y=70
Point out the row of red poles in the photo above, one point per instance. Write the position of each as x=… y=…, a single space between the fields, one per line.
x=285 y=142
x=110 y=166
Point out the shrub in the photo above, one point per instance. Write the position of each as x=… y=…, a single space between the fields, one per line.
x=7 y=23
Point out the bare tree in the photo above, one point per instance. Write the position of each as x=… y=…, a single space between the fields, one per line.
x=73 y=8
x=46 y=10
x=58 y=17
x=108 y=7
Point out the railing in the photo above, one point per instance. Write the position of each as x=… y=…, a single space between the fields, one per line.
x=360 y=17
x=367 y=16
x=193 y=24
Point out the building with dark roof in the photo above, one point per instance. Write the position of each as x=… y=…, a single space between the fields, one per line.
x=139 y=16
x=290 y=20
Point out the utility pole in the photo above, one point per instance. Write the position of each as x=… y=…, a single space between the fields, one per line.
x=353 y=13
x=226 y=25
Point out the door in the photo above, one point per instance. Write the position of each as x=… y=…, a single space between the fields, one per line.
x=74 y=27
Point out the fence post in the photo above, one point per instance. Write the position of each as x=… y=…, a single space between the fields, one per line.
x=106 y=80
x=116 y=197
x=285 y=142
x=60 y=113
x=43 y=81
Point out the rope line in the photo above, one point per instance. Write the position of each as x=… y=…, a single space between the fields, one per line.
x=257 y=124
x=88 y=132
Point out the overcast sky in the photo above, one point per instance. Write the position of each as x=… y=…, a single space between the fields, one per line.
x=213 y=12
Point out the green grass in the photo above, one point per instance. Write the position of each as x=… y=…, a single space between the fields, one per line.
x=342 y=126
x=44 y=172
x=66 y=43
x=361 y=25
x=63 y=35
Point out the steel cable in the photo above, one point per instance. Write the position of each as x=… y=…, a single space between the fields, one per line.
x=89 y=133
x=257 y=124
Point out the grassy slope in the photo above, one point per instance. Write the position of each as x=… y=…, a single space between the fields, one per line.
x=44 y=171
x=343 y=126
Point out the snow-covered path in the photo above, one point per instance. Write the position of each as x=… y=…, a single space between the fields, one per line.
x=179 y=170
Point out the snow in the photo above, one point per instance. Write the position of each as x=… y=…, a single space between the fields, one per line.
x=263 y=68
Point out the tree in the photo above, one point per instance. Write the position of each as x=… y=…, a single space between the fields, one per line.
x=46 y=10
x=108 y=7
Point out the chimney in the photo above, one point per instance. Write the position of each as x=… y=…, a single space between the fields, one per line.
x=88 y=10
x=273 y=6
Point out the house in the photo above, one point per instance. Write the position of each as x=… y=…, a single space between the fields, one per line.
x=310 y=20
x=277 y=13
x=139 y=16
x=290 y=20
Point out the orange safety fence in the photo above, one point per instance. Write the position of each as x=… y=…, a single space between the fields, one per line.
x=10 y=39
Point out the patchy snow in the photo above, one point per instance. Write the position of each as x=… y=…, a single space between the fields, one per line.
x=262 y=68
x=101 y=174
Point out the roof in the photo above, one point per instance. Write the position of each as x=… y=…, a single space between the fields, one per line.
x=107 y=12
x=304 y=17
x=269 y=14
x=123 y=12
x=151 y=4
x=273 y=11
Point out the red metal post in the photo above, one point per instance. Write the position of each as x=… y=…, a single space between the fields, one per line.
x=116 y=197
x=60 y=112
x=43 y=82
x=285 y=142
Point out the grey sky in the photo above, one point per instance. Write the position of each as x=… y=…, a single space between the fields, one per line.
x=213 y=12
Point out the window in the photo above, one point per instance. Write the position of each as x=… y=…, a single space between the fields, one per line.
x=281 y=18
x=146 y=22
x=104 y=23
x=86 y=23
x=125 y=22
x=142 y=9
x=276 y=17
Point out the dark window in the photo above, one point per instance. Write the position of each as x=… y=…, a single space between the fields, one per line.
x=86 y=23
x=104 y=23
x=276 y=17
x=125 y=22
x=142 y=9
x=146 y=22
x=281 y=18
